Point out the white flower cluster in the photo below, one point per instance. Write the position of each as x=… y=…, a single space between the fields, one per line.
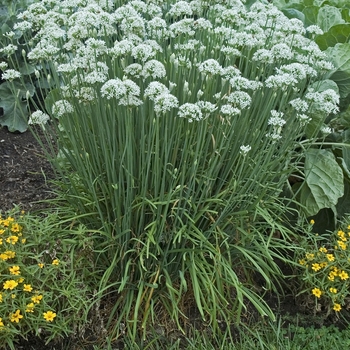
x=10 y=74
x=38 y=118
x=227 y=53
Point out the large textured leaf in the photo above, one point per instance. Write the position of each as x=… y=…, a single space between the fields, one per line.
x=324 y=181
x=329 y=16
x=339 y=33
x=340 y=56
x=311 y=15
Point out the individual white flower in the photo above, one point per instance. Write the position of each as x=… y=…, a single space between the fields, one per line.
x=43 y=51
x=123 y=12
x=242 y=83
x=165 y=102
x=133 y=69
x=276 y=119
x=113 y=88
x=138 y=5
x=184 y=26
x=38 y=118
x=153 y=10
x=9 y=49
x=240 y=99
x=180 y=8
x=263 y=55
x=298 y=70
x=210 y=66
x=230 y=72
x=97 y=46
x=206 y=107
x=281 y=51
x=157 y=28
x=190 y=111
x=154 y=89
x=22 y=26
x=299 y=105
x=231 y=51
x=62 y=107
x=121 y=48
x=10 y=74
x=85 y=94
x=3 y=65
x=96 y=76
x=314 y=29
x=229 y=110
x=273 y=136
x=143 y=52
x=133 y=25
x=244 y=150
x=202 y=23
x=154 y=69
x=326 y=130
x=303 y=118
x=281 y=81
x=130 y=97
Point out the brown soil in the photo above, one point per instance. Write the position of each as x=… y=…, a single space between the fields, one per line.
x=24 y=172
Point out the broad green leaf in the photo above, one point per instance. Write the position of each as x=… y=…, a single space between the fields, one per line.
x=340 y=56
x=324 y=181
x=343 y=206
x=14 y=116
x=293 y=13
x=339 y=33
x=342 y=79
x=311 y=15
x=329 y=16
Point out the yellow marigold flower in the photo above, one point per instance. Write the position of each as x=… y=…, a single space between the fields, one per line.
x=12 y=239
x=0 y=297
x=2 y=231
x=336 y=307
x=49 y=316
x=7 y=221
x=1 y=323
x=312 y=222
x=55 y=262
x=14 y=270
x=36 y=298
x=0 y=241
x=23 y=240
x=316 y=267
x=41 y=265
x=20 y=280
x=10 y=284
x=16 y=316
x=323 y=264
x=27 y=288
x=10 y=254
x=317 y=292
x=323 y=250
x=310 y=256
x=302 y=262
x=30 y=307
x=343 y=275
x=15 y=228
x=333 y=290
x=330 y=257
x=341 y=245
x=13 y=296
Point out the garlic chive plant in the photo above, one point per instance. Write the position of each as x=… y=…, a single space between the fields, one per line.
x=178 y=126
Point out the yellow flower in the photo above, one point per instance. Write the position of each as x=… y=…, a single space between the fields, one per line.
x=20 y=280
x=12 y=239
x=2 y=231
x=10 y=284
x=336 y=307
x=55 y=262
x=0 y=297
x=14 y=270
x=312 y=222
x=342 y=245
x=27 y=288
x=317 y=292
x=1 y=323
x=13 y=296
x=30 y=307
x=49 y=316
x=302 y=262
x=316 y=267
x=333 y=290
x=37 y=298
x=330 y=257
x=41 y=265
x=16 y=316
x=310 y=256
x=323 y=250
x=16 y=228
x=343 y=275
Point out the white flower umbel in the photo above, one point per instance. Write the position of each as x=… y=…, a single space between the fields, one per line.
x=210 y=66
x=239 y=99
x=113 y=88
x=190 y=111
x=244 y=150
x=229 y=110
x=153 y=69
x=38 y=118
x=326 y=130
x=154 y=89
x=180 y=8
x=134 y=70
x=164 y=103
x=10 y=74
x=62 y=107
